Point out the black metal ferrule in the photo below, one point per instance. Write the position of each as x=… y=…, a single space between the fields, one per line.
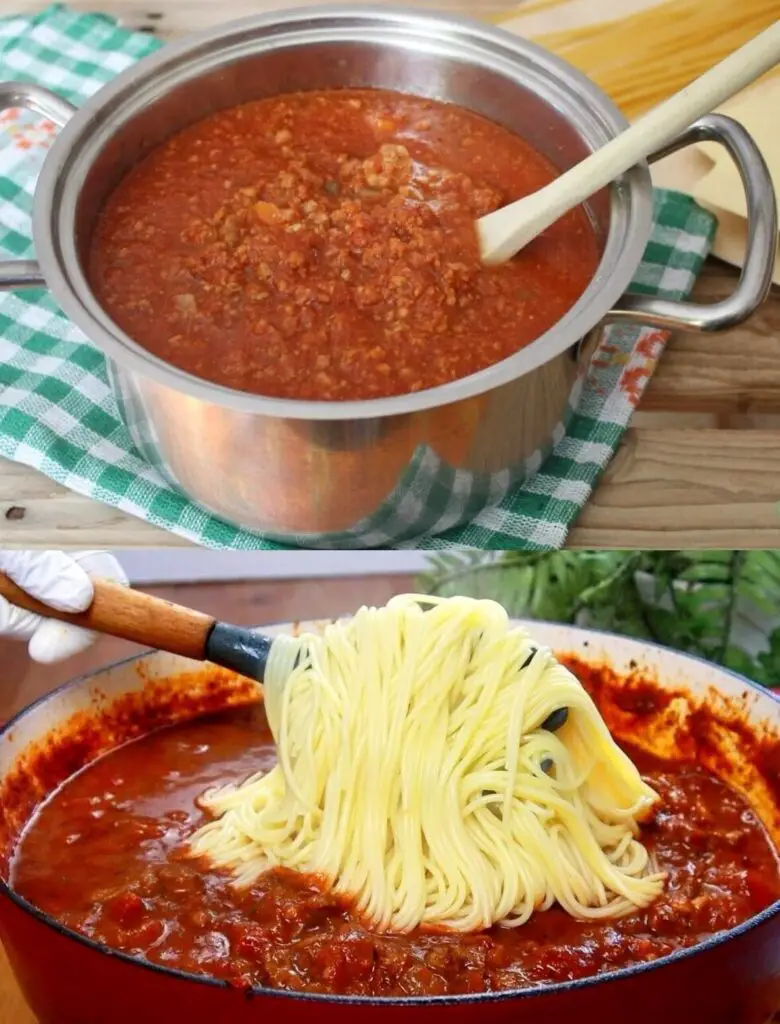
x=239 y=649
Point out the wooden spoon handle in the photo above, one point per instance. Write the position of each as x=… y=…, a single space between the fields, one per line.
x=129 y=615
x=505 y=231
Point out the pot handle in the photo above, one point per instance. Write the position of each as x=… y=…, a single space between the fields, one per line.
x=18 y=274
x=756 y=277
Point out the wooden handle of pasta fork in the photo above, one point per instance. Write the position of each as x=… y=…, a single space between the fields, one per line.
x=129 y=615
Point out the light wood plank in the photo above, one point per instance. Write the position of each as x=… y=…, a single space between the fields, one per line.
x=13 y=1009
x=665 y=488
x=733 y=373
x=171 y=19
x=36 y=512
x=687 y=488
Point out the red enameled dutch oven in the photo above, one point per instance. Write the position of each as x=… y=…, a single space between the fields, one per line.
x=732 y=977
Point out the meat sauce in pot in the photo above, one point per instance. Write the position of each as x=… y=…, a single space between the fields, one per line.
x=321 y=246
x=105 y=855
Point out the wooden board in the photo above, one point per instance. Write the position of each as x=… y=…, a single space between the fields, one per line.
x=13 y=1008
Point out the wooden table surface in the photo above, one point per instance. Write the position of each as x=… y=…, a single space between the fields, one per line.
x=23 y=681
x=698 y=467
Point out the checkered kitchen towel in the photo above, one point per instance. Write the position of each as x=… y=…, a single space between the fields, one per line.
x=58 y=415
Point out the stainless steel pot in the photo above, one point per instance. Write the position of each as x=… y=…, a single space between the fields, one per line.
x=369 y=472
x=732 y=977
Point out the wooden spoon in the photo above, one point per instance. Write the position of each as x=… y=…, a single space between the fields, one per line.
x=504 y=232
x=153 y=622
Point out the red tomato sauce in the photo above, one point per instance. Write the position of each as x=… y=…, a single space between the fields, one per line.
x=321 y=246
x=105 y=855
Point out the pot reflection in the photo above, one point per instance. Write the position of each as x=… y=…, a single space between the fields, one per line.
x=364 y=478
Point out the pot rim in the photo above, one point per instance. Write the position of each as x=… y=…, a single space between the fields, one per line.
x=59 y=186
x=258 y=991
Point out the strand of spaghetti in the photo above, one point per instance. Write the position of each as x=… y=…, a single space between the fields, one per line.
x=642 y=59
x=632 y=94
x=564 y=38
x=687 y=61
x=415 y=776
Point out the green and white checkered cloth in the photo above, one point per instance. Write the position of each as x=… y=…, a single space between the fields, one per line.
x=57 y=412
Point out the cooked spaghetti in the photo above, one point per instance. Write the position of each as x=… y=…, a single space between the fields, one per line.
x=416 y=777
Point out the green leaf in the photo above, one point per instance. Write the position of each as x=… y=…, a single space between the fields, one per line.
x=696 y=595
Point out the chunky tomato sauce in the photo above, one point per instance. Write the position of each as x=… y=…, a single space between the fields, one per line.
x=321 y=245
x=105 y=856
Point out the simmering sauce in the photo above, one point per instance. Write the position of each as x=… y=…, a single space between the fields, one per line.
x=321 y=245
x=105 y=855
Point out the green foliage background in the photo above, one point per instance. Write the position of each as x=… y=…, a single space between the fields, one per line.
x=698 y=597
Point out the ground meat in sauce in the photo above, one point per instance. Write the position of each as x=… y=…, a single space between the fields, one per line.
x=321 y=245
x=104 y=857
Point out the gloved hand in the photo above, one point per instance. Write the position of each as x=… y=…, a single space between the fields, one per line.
x=61 y=581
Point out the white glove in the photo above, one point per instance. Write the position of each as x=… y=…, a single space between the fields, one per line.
x=61 y=581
